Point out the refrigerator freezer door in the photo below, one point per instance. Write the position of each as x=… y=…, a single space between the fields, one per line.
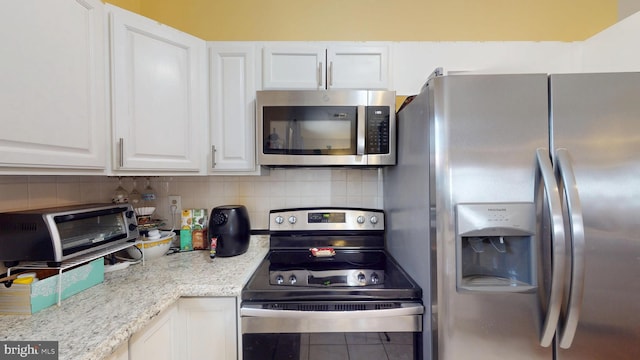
x=596 y=117
x=486 y=129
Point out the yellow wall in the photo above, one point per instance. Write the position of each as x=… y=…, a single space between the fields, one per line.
x=131 y=5
x=369 y=20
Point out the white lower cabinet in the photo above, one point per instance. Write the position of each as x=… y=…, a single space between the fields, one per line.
x=194 y=328
x=208 y=328
x=159 y=340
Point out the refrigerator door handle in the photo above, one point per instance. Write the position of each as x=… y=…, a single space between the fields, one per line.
x=546 y=174
x=565 y=172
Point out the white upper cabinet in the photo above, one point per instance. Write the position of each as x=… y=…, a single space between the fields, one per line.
x=357 y=67
x=52 y=87
x=232 y=107
x=294 y=67
x=159 y=96
x=310 y=66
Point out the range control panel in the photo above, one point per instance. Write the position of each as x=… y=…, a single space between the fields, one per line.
x=303 y=219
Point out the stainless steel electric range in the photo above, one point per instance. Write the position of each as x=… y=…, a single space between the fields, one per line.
x=327 y=289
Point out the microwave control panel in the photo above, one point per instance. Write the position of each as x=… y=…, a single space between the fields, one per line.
x=377 y=137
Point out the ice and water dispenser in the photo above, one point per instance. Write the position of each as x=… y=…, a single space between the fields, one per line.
x=495 y=247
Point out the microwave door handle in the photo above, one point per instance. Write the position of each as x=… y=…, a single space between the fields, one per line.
x=546 y=176
x=361 y=125
x=564 y=167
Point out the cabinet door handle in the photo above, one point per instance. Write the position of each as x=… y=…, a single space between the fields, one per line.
x=121 y=148
x=213 y=156
x=320 y=75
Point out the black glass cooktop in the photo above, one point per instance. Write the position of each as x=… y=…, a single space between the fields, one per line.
x=397 y=284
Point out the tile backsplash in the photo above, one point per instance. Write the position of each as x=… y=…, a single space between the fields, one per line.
x=281 y=188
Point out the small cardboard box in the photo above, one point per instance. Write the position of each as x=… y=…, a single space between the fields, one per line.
x=186 y=219
x=26 y=299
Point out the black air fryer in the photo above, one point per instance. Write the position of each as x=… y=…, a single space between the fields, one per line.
x=230 y=224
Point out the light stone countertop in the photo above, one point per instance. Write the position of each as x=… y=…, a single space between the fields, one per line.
x=94 y=323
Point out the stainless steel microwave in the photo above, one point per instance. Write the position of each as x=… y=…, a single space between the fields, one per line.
x=61 y=233
x=326 y=128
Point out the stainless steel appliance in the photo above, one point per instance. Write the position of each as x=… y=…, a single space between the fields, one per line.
x=327 y=289
x=231 y=226
x=326 y=128
x=60 y=233
x=513 y=203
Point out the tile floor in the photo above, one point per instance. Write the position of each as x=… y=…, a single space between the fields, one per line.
x=356 y=346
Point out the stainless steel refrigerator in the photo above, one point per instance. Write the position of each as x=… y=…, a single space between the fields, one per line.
x=515 y=204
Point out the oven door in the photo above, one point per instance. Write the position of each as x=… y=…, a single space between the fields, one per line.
x=330 y=330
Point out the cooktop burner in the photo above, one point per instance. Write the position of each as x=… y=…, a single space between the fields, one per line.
x=342 y=268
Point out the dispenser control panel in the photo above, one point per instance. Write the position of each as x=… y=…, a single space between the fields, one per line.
x=488 y=219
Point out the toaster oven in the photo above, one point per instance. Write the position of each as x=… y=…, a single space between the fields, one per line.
x=54 y=235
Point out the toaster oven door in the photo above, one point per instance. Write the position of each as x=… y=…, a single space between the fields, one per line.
x=79 y=233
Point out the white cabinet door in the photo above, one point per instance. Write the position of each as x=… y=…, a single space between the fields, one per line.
x=232 y=107
x=358 y=67
x=209 y=328
x=310 y=67
x=294 y=67
x=52 y=85
x=159 y=95
x=159 y=340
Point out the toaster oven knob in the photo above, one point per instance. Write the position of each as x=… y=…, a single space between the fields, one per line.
x=132 y=227
x=292 y=219
x=293 y=280
x=360 y=219
x=279 y=219
x=279 y=279
x=129 y=214
x=374 y=220
x=361 y=278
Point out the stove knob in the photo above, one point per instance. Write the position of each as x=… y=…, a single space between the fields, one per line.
x=360 y=219
x=362 y=279
x=279 y=219
x=292 y=219
x=293 y=280
x=374 y=220
x=374 y=278
x=279 y=279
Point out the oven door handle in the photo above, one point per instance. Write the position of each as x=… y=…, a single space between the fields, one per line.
x=257 y=311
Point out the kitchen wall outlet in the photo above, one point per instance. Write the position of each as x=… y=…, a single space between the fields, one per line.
x=175 y=204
